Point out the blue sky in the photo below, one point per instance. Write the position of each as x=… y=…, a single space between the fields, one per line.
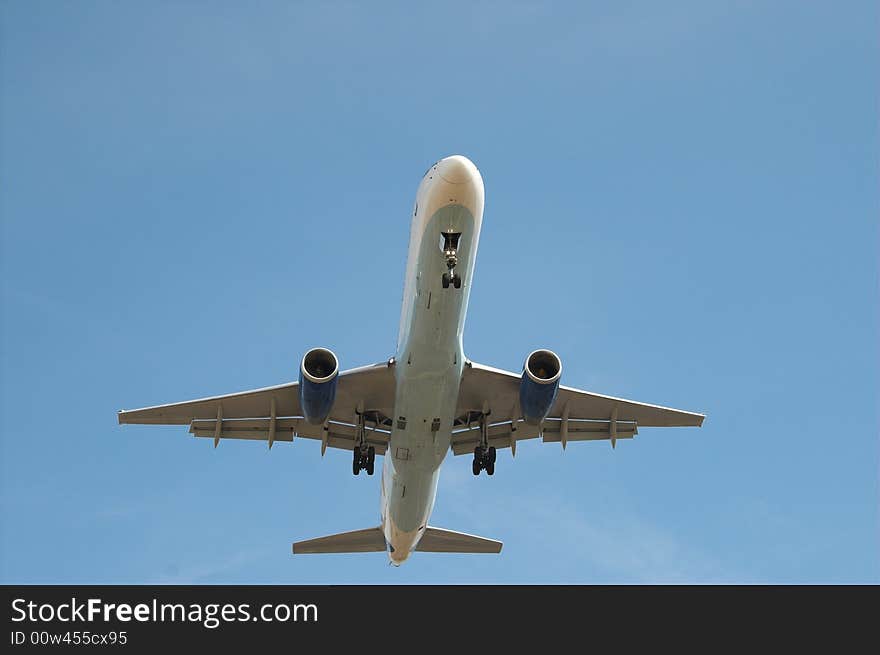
x=681 y=200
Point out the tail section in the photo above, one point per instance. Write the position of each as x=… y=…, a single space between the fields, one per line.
x=370 y=540
x=438 y=540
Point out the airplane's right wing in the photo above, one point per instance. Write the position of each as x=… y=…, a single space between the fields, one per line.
x=576 y=415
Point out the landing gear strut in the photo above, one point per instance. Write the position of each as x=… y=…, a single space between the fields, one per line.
x=450 y=252
x=364 y=456
x=484 y=454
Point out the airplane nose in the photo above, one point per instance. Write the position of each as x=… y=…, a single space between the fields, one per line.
x=457 y=169
x=454 y=181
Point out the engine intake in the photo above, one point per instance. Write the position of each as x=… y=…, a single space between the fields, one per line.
x=540 y=384
x=318 y=375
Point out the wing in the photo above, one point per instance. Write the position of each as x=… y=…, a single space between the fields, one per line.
x=274 y=414
x=576 y=415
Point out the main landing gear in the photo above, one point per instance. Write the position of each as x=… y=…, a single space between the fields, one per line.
x=450 y=252
x=484 y=460
x=484 y=454
x=364 y=459
x=364 y=455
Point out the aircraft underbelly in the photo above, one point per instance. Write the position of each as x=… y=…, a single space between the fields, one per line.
x=428 y=367
x=421 y=432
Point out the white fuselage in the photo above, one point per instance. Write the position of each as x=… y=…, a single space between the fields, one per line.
x=430 y=355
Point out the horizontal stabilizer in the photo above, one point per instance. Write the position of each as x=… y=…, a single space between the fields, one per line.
x=370 y=540
x=438 y=540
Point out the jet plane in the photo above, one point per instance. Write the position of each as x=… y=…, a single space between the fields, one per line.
x=428 y=398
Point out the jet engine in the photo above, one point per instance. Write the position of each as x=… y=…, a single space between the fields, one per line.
x=540 y=384
x=318 y=375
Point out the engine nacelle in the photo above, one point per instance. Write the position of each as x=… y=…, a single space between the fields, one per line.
x=318 y=375
x=540 y=384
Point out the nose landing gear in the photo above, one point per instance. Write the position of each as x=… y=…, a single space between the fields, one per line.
x=450 y=252
x=453 y=278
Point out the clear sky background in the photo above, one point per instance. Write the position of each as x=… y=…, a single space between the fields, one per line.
x=681 y=200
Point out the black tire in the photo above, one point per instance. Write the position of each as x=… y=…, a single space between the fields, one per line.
x=372 y=456
x=490 y=468
x=370 y=466
x=492 y=454
x=478 y=453
x=445 y=280
x=356 y=461
x=476 y=467
x=456 y=282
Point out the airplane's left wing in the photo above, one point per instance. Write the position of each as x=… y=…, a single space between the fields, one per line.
x=274 y=413
x=576 y=415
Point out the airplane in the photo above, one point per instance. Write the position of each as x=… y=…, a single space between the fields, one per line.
x=427 y=399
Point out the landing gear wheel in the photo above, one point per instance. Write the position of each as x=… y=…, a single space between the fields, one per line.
x=371 y=460
x=356 y=464
x=484 y=460
x=445 y=280
x=456 y=281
